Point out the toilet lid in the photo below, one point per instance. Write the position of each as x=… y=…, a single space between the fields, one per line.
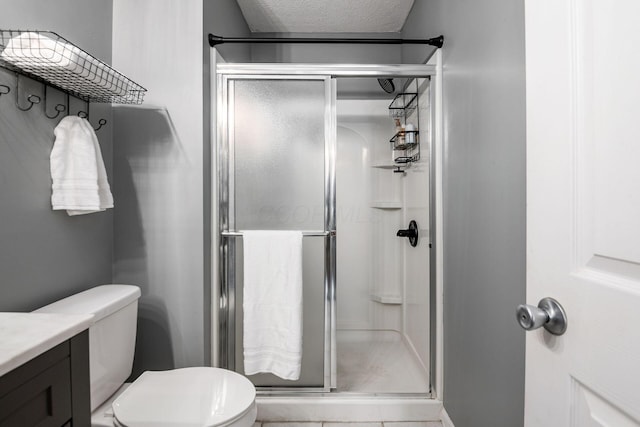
x=200 y=397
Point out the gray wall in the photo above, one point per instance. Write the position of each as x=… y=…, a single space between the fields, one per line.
x=222 y=18
x=161 y=170
x=46 y=255
x=327 y=53
x=484 y=206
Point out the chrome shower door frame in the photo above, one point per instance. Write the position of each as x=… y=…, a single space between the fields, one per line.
x=226 y=226
x=223 y=297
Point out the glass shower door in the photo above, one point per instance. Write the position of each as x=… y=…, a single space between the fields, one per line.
x=277 y=173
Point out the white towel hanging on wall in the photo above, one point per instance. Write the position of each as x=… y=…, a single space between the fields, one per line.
x=79 y=178
x=272 y=303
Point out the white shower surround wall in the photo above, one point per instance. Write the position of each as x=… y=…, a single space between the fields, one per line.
x=368 y=251
x=383 y=282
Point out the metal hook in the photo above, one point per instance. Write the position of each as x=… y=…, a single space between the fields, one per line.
x=59 y=107
x=82 y=114
x=85 y=115
x=101 y=123
x=4 y=89
x=32 y=99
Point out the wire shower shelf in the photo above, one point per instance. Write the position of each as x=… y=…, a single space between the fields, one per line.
x=403 y=105
x=49 y=58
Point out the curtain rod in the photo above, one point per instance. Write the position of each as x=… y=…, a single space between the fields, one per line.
x=216 y=40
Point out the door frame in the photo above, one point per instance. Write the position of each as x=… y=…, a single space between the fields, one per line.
x=227 y=229
x=433 y=69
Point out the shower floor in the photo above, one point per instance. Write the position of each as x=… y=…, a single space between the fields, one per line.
x=378 y=362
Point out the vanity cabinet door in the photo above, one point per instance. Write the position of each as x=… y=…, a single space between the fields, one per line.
x=51 y=390
x=43 y=401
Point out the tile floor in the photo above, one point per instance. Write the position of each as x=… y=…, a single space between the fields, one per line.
x=333 y=424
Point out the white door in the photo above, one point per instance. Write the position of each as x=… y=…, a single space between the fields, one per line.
x=583 y=210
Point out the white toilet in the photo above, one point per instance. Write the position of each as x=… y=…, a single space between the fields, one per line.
x=184 y=397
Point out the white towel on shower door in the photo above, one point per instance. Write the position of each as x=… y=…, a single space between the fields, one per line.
x=273 y=302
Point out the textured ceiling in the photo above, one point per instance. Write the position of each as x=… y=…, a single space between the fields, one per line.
x=325 y=16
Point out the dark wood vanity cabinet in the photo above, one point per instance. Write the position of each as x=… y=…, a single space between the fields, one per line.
x=51 y=390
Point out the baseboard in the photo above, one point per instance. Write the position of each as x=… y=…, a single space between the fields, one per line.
x=446 y=420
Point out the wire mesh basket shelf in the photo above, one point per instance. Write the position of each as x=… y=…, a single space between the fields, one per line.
x=402 y=105
x=53 y=60
x=404 y=140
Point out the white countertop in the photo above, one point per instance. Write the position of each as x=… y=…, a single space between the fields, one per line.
x=24 y=336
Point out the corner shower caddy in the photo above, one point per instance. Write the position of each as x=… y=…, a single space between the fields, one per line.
x=403 y=106
x=46 y=57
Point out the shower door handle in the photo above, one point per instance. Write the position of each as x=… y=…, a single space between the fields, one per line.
x=548 y=314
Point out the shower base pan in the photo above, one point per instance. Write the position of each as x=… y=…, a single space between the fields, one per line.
x=378 y=362
x=343 y=408
x=379 y=377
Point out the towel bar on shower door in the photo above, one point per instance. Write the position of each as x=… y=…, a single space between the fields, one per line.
x=304 y=233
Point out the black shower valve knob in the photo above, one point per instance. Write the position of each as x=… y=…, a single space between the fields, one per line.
x=411 y=233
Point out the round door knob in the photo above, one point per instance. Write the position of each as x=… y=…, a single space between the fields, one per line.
x=549 y=314
x=531 y=317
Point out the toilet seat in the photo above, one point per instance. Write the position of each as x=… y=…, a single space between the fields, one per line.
x=202 y=397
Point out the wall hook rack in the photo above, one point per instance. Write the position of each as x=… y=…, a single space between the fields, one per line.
x=59 y=108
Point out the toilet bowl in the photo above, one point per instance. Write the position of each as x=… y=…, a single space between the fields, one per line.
x=198 y=396
x=187 y=397
x=181 y=397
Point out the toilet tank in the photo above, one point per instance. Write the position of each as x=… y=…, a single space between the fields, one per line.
x=112 y=334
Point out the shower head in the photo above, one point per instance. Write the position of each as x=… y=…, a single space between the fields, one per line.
x=387 y=85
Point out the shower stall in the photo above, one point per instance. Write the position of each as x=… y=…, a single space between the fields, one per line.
x=325 y=150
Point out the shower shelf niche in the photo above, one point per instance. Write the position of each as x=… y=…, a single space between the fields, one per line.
x=385 y=166
x=386 y=204
x=387 y=298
